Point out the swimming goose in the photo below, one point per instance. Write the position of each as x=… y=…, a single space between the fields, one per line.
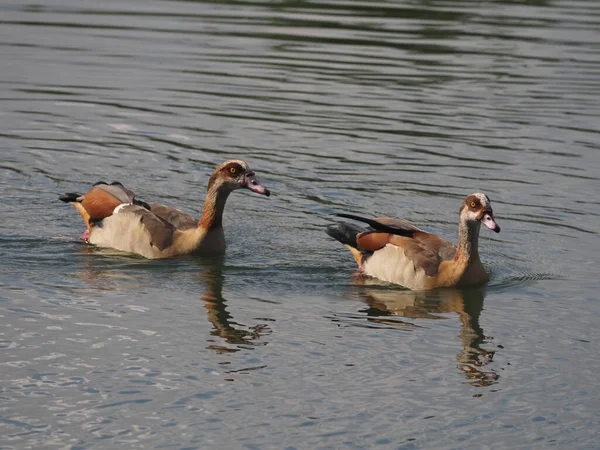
x=115 y=218
x=398 y=252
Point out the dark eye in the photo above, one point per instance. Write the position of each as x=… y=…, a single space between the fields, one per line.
x=472 y=204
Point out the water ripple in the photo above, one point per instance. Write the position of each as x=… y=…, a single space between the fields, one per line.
x=382 y=108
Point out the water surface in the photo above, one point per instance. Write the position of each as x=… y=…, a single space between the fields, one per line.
x=380 y=108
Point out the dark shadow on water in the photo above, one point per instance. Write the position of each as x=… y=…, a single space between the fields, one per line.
x=385 y=302
x=235 y=335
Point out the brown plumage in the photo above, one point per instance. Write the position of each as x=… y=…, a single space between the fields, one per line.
x=115 y=218
x=100 y=201
x=398 y=252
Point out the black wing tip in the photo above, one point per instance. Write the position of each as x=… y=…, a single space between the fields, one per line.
x=353 y=216
x=378 y=226
x=344 y=233
x=114 y=183
x=141 y=203
x=69 y=197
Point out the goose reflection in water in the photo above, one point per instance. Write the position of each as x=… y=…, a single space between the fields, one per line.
x=235 y=335
x=467 y=303
x=109 y=274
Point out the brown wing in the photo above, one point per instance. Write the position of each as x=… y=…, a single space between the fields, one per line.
x=101 y=200
x=117 y=190
x=371 y=241
x=178 y=219
x=425 y=250
x=443 y=248
x=374 y=240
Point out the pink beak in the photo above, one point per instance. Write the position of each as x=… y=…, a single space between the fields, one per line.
x=254 y=185
x=488 y=221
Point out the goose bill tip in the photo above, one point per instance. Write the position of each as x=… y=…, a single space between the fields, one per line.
x=254 y=185
x=489 y=222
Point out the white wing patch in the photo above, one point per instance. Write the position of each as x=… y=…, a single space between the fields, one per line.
x=125 y=232
x=121 y=206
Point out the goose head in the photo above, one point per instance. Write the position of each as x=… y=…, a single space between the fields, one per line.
x=477 y=208
x=235 y=174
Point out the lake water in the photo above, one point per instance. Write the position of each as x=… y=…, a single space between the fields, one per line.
x=373 y=107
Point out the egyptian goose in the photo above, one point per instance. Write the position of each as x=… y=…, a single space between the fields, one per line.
x=397 y=252
x=115 y=218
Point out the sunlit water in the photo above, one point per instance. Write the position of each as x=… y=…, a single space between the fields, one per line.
x=380 y=108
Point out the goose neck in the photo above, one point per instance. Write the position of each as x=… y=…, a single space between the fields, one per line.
x=214 y=205
x=468 y=238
